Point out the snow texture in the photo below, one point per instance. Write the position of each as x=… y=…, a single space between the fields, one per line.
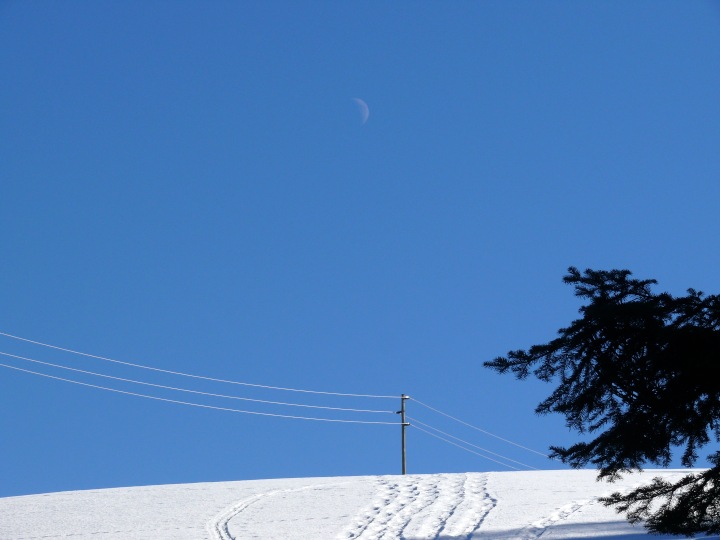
x=545 y=505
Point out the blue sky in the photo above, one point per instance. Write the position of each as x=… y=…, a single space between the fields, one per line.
x=191 y=187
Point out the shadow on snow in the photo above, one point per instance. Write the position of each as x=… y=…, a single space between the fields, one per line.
x=608 y=530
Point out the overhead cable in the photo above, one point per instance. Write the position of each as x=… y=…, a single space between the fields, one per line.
x=60 y=366
x=179 y=373
x=416 y=421
x=197 y=404
x=479 y=429
x=462 y=447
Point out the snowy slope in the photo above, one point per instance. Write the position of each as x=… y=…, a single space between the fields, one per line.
x=522 y=505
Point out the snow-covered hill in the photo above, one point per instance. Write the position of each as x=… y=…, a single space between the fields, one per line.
x=524 y=505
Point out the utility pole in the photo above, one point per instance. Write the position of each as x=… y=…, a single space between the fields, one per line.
x=403 y=425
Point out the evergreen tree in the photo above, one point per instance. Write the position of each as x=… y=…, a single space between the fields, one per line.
x=640 y=373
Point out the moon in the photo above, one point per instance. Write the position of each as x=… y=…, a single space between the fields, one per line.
x=364 y=109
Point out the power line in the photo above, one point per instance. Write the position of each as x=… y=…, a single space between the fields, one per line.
x=60 y=366
x=140 y=366
x=416 y=421
x=463 y=448
x=480 y=429
x=197 y=404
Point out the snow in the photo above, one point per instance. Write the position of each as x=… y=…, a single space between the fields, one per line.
x=514 y=505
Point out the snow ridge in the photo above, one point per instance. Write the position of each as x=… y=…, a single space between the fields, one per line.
x=534 y=505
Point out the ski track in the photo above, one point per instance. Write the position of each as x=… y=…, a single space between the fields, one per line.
x=541 y=526
x=538 y=528
x=218 y=527
x=419 y=507
x=476 y=504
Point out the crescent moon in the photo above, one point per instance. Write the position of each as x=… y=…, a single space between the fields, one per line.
x=364 y=109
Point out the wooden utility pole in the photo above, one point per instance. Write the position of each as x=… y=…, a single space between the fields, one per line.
x=403 y=425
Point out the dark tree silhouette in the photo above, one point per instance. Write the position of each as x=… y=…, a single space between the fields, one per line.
x=640 y=372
